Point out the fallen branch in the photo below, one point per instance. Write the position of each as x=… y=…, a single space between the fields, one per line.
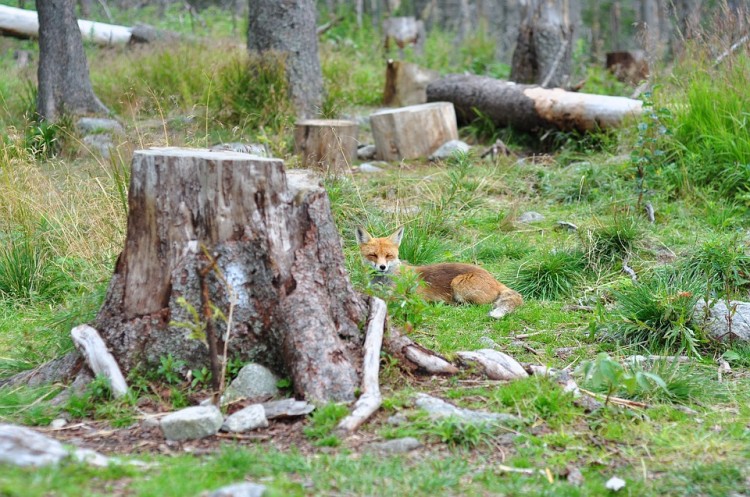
x=732 y=49
x=614 y=400
x=415 y=357
x=629 y=271
x=370 y=400
x=495 y=365
x=92 y=347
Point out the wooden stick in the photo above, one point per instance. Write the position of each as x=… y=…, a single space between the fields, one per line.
x=93 y=349
x=371 y=399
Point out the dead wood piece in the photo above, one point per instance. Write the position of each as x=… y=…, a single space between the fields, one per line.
x=629 y=271
x=530 y=107
x=414 y=131
x=287 y=408
x=496 y=365
x=370 y=400
x=327 y=145
x=415 y=357
x=406 y=83
x=90 y=344
x=25 y=24
x=498 y=149
x=732 y=49
x=650 y=212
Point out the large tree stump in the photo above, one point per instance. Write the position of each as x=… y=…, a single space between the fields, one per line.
x=273 y=241
x=414 y=131
x=530 y=107
x=327 y=145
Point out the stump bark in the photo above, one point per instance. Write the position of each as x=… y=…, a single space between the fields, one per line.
x=278 y=261
x=530 y=107
x=327 y=145
x=414 y=131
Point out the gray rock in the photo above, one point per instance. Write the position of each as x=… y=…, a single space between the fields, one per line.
x=58 y=423
x=287 y=408
x=366 y=152
x=438 y=409
x=243 y=148
x=249 y=418
x=192 y=423
x=396 y=446
x=397 y=419
x=98 y=125
x=530 y=217
x=245 y=489
x=489 y=343
x=715 y=320
x=254 y=381
x=100 y=144
x=24 y=447
x=450 y=148
x=372 y=167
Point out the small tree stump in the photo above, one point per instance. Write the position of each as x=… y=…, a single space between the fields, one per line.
x=414 y=131
x=327 y=145
x=404 y=31
x=406 y=83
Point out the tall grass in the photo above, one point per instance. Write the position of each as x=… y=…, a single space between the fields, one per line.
x=710 y=105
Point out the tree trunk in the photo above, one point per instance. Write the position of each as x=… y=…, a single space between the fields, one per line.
x=543 y=54
x=270 y=245
x=64 y=84
x=289 y=27
x=528 y=107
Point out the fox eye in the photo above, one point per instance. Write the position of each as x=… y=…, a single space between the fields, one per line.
x=372 y=257
x=388 y=257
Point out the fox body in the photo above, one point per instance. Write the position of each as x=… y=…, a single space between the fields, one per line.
x=449 y=282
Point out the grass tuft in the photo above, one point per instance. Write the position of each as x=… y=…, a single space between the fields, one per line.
x=655 y=312
x=551 y=275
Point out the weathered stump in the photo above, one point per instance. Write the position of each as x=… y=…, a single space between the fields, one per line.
x=414 y=131
x=530 y=107
x=406 y=83
x=327 y=145
x=210 y=227
x=404 y=31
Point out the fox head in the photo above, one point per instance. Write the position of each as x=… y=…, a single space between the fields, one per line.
x=380 y=253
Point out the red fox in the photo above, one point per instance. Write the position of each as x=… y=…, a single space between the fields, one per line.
x=449 y=282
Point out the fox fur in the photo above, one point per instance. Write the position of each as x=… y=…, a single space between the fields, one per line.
x=449 y=282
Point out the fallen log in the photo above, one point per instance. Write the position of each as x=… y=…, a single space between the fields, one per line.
x=530 y=107
x=25 y=24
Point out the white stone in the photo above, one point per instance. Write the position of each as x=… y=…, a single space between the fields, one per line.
x=192 y=423
x=249 y=418
x=715 y=321
x=530 y=217
x=449 y=149
x=438 y=409
x=253 y=381
x=25 y=447
x=245 y=489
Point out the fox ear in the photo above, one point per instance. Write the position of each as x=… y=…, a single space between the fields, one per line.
x=397 y=235
x=362 y=235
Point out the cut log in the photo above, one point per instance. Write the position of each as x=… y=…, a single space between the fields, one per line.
x=406 y=83
x=25 y=24
x=414 y=131
x=326 y=145
x=370 y=400
x=530 y=107
x=274 y=241
x=101 y=362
